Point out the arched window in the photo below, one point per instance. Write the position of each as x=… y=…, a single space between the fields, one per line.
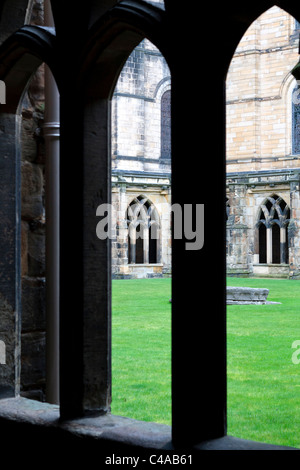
x=166 y=124
x=272 y=226
x=296 y=120
x=143 y=232
x=262 y=243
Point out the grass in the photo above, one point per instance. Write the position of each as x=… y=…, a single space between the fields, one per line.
x=263 y=383
x=141 y=349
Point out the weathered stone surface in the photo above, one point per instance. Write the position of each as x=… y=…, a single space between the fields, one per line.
x=32 y=186
x=33 y=304
x=114 y=431
x=33 y=360
x=247 y=295
x=36 y=249
x=8 y=336
x=24 y=248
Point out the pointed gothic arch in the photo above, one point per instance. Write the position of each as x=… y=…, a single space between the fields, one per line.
x=143 y=231
x=271 y=227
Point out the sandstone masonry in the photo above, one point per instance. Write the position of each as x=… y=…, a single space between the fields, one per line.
x=262 y=164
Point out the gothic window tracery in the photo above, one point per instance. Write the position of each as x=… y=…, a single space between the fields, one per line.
x=143 y=231
x=274 y=217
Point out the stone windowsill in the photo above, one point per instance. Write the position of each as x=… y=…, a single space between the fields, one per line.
x=275 y=265
x=113 y=430
x=145 y=265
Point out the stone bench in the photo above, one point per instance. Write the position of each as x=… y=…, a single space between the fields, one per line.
x=247 y=295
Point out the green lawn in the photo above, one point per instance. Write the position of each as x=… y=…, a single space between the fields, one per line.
x=263 y=382
x=141 y=349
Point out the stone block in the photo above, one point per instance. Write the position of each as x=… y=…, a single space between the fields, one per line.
x=33 y=359
x=36 y=249
x=247 y=295
x=31 y=194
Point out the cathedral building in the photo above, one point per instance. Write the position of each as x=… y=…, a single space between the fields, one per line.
x=263 y=150
x=141 y=166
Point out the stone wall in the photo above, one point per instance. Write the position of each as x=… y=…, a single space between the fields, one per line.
x=260 y=162
x=246 y=192
x=259 y=87
x=136 y=110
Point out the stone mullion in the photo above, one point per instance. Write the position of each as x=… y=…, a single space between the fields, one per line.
x=132 y=241
x=283 y=245
x=145 y=236
x=269 y=245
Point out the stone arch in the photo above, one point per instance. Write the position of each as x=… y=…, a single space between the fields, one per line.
x=163 y=86
x=98 y=64
x=294 y=120
x=119 y=32
x=287 y=94
x=20 y=56
x=13 y=15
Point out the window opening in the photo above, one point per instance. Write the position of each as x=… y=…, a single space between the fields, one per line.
x=262 y=243
x=143 y=235
x=141 y=245
x=273 y=241
x=262 y=131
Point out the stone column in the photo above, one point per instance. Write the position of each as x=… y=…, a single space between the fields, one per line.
x=132 y=242
x=85 y=290
x=158 y=244
x=282 y=245
x=294 y=232
x=269 y=245
x=237 y=230
x=145 y=236
x=123 y=238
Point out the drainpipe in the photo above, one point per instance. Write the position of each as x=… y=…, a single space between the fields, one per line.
x=51 y=135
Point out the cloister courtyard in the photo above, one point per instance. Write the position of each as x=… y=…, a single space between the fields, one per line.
x=262 y=357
